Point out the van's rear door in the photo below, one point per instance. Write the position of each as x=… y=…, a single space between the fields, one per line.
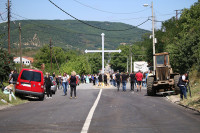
x=25 y=80
x=36 y=82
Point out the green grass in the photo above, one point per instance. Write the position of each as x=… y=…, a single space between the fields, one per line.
x=193 y=101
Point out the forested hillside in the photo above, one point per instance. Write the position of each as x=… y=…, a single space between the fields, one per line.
x=70 y=34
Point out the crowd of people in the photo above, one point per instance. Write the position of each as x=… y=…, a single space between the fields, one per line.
x=136 y=79
x=117 y=79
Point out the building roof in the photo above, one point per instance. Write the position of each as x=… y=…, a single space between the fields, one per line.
x=25 y=57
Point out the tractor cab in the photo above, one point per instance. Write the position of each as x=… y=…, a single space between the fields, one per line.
x=164 y=80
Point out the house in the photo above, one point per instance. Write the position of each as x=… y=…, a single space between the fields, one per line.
x=25 y=60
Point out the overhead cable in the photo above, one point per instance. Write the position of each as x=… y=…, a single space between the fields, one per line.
x=64 y=30
x=108 y=11
x=93 y=25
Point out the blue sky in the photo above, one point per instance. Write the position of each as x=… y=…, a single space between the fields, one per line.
x=127 y=11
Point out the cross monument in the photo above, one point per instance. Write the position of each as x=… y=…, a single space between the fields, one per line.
x=102 y=51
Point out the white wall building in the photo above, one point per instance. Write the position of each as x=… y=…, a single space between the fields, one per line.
x=25 y=60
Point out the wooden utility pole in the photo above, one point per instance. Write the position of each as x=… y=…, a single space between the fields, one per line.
x=8 y=26
x=51 y=54
x=177 y=13
x=20 y=47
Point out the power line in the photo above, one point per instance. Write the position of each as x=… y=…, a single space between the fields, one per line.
x=2 y=17
x=108 y=11
x=74 y=32
x=156 y=20
x=93 y=25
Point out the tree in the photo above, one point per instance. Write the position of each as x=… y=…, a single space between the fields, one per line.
x=44 y=56
x=6 y=64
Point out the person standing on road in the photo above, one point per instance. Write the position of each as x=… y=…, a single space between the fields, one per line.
x=124 y=80
x=54 y=75
x=100 y=79
x=114 y=83
x=57 y=81
x=14 y=78
x=139 y=77
x=48 y=81
x=94 y=79
x=182 y=85
x=105 y=80
x=73 y=82
x=132 y=81
x=60 y=77
x=118 y=80
x=111 y=79
x=64 y=83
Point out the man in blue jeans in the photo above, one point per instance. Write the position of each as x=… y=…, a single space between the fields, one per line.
x=124 y=80
x=182 y=85
x=118 y=80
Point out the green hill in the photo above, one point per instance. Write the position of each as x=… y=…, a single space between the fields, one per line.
x=70 y=34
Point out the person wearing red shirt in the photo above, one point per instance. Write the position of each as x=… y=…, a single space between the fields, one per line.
x=139 y=77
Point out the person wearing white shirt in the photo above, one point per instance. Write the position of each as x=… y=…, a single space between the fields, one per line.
x=183 y=90
x=64 y=83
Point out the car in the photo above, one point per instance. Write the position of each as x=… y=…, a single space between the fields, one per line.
x=30 y=82
x=54 y=87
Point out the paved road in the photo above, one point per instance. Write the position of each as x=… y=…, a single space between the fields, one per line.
x=116 y=112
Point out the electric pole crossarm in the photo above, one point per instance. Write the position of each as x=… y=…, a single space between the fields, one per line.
x=96 y=51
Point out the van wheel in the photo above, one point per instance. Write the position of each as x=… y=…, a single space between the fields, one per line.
x=41 y=98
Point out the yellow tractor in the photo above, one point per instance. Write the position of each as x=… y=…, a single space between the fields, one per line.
x=164 y=81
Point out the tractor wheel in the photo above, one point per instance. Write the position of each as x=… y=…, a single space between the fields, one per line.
x=150 y=88
x=176 y=88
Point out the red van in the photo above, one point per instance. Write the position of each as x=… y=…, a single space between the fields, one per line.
x=30 y=82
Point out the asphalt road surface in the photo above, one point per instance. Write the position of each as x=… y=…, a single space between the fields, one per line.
x=116 y=112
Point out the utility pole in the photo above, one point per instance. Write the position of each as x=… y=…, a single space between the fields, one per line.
x=127 y=63
x=130 y=51
x=20 y=47
x=131 y=64
x=177 y=13
x=154 y=58
x=8 y=26
x=51 y=54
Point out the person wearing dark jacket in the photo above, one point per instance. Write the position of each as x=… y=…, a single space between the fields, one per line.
x=100 y=79
x=132 y=80
x=73 y=81
x=118 y=80
x=105 y=79
x=48 y=81
x=124 y=77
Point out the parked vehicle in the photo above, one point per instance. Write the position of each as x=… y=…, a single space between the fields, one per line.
x=54 y=87
x=30 y=82
x=164 y=81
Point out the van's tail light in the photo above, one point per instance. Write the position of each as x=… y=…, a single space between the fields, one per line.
x=42 y=86
x=17 y=83
x=54 y=83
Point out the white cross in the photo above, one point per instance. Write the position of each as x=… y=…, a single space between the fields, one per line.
x=102 y=51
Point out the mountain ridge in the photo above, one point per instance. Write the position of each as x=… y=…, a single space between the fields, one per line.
x=71 y=34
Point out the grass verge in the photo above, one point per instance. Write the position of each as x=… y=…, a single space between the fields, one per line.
x=6 y=98
x=194 y=100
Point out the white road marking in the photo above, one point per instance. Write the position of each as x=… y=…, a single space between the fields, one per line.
x=90 y=115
